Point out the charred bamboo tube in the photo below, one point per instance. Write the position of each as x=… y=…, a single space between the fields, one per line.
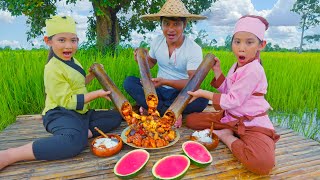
x=193 y=84
x=118 y=99
x=148 y=86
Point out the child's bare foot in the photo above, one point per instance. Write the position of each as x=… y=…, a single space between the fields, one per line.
x=223 y=132
x=90 y=135
x=3 y=159
x=226 y=136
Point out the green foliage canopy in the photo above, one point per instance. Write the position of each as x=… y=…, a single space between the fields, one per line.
x=313 y=38
x=111 y=22
x=309 y=10
x=310 y=16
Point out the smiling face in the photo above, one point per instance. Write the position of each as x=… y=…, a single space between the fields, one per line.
x=64 y=45
x=245 y=46
x=173 y=30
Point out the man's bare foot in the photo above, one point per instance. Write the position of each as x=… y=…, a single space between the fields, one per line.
x=178 y=122
x=143 y=111
x=4 y=159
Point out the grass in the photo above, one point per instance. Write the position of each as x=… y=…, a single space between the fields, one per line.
x=293 y=92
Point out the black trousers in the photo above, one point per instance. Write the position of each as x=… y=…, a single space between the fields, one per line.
x=70 y=131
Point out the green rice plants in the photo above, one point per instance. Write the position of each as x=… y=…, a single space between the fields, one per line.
x=293 y=83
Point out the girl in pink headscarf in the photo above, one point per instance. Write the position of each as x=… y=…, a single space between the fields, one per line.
x=242 y=122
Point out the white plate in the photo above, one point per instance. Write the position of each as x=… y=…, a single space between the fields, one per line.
x=124 y=139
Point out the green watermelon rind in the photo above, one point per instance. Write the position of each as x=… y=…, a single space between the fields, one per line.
x=177 y=177
x=194 y=161
x=133 y=174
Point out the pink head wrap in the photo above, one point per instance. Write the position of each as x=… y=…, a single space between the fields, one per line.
x=251 y=25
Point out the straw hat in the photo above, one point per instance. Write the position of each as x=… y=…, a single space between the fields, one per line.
x=173 y=8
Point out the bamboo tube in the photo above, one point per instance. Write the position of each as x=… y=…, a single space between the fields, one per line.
x=193 y=84
x=148 y=86
x=107 y=84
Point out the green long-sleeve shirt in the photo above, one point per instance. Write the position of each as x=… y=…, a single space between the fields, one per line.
x=64 y=83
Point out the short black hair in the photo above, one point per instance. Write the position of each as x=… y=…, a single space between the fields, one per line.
x=183 y=19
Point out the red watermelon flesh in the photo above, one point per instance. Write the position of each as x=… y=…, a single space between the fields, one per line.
x=132 y=163
x=171 y=167
x=198 y=153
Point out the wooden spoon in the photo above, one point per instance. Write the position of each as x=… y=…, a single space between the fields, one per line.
x=106 y=136
x=102 y=133
x=211 y=129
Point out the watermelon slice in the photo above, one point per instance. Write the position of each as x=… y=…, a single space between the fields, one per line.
x=171 y=167
x=198 y=153
x=131 y=164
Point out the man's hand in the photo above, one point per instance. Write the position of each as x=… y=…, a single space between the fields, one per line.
x=158 y=81
x=135 y=53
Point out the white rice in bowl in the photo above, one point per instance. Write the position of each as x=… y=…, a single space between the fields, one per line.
x=107 y=142
x=203 y=136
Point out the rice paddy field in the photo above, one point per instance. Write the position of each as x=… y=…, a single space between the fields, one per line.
x=293 y=91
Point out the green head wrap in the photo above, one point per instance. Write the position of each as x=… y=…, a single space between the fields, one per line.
x=60 y=24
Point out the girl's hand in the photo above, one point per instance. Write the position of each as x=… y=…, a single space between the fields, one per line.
x=216 y=65
x=157 y=81
x=216 y=68
x=103 y=94
x=195 y=94
x=200 y=93
x=91 y=69
x=90 y=76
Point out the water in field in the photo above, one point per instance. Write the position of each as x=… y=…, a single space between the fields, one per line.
x=307 y=124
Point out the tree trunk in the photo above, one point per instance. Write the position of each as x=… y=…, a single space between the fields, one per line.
x=301 y=42
x=107 y=27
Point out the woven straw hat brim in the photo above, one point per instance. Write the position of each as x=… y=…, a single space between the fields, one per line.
x=156 y=17
x=173 y=8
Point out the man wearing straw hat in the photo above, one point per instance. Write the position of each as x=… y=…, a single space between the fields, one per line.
x=177 y=56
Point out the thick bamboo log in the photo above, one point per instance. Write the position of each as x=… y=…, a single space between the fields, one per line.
x=193 y=84
x=107 y=84
x=148 y=86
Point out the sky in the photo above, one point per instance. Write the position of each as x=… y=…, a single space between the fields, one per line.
x=284 y=25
